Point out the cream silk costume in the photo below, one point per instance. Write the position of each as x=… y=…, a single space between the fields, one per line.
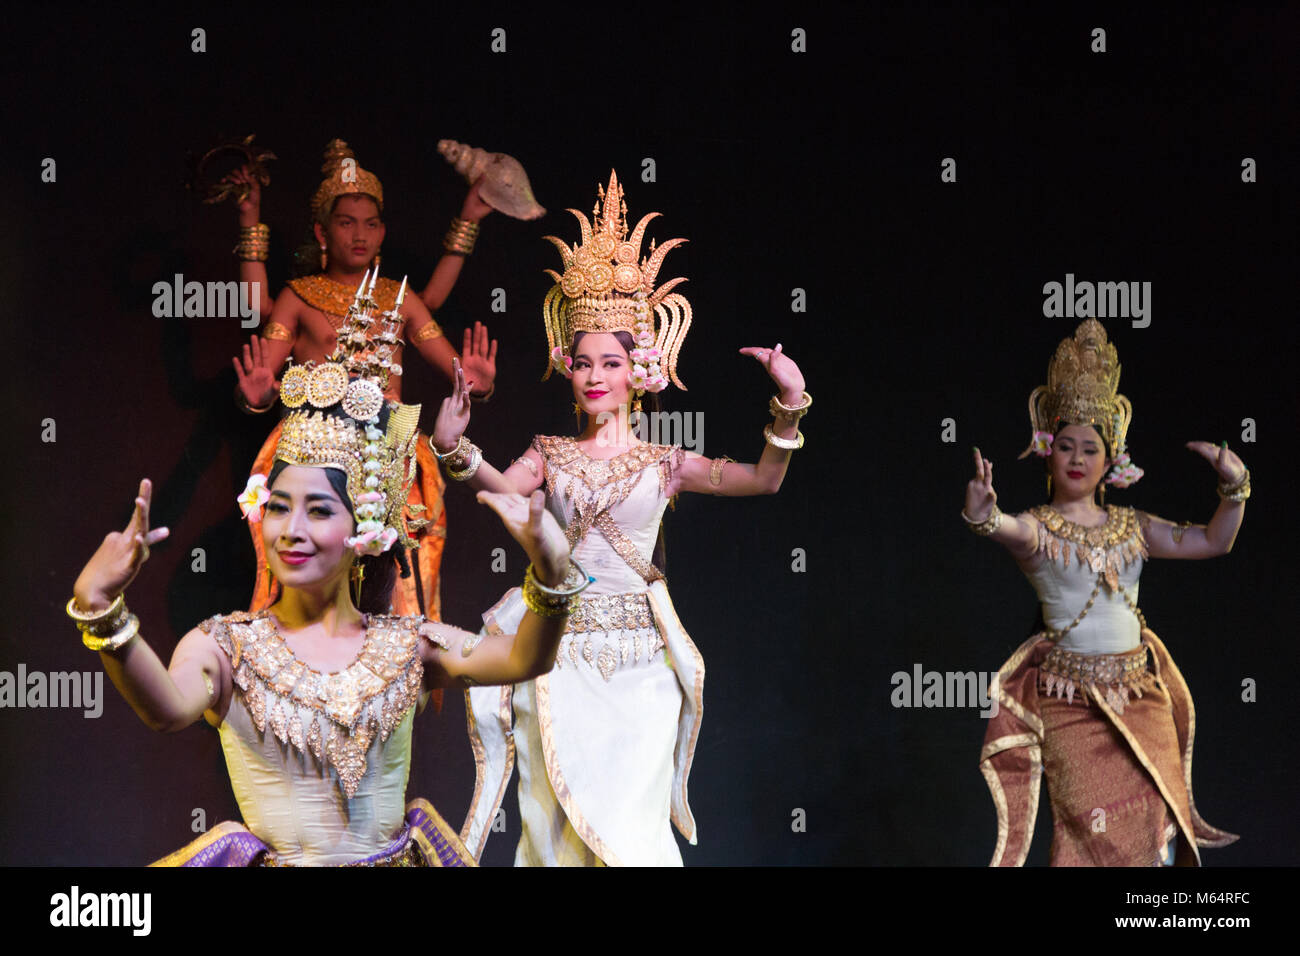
x=319 y=762
x=605 y=740
x=1103 y=713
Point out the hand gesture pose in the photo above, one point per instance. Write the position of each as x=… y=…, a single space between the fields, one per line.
x=1231 y=469
x=256 y=377
x=453 y=414
x=980 y=496
x=782 y=369
x=120 y=557
x=250 y=206
x=474 y=208
x=478 y=358
x=536 y=530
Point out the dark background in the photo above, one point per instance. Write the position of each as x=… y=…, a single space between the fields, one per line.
x=817 y=170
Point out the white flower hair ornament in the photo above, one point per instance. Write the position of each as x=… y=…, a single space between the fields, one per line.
x=254 y=497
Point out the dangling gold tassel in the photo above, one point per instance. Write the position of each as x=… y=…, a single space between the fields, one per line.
x=324 y=260
x=1101 y=493
x=1049 y=486
x=577 y=415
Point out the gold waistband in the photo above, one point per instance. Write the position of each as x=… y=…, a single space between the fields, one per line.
x=610 y=612
x=1113 y=676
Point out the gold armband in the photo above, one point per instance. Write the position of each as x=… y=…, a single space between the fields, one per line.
x=426 y=332
x=275 y=332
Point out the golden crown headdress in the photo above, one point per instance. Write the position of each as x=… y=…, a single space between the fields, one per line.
x=608 y=286
x=1083 y=389
x=379 y=463
x=343 y=179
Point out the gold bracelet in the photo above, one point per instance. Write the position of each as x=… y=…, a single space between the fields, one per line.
x=248 y=409
x=1238 y=491
x=100 y=622
x=484 y=397
x=461 y=236
x=467 y=472
x=254 y=242
x=988 y=525
x=787 y=444
x=115 y=641
x=551 y=602
x=780 y=410
x=463 y=445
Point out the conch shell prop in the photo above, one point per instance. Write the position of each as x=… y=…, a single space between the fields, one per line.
x=505 y=188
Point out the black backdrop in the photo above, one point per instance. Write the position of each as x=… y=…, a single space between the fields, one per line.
x=817 y=170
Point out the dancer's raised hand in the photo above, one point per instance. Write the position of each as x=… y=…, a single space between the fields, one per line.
x=453 y=414
x=980 y=496
x=1231 y=469
x=783 y=370
x=120 y=557
x=536 y=530
x=478 y=357
x=256 y=377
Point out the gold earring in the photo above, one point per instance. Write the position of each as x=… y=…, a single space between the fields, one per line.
x=1101 y=492
x=357 y=574
x=577 y=414
x=1049 y=486
x=324 y=261
x=376 y=261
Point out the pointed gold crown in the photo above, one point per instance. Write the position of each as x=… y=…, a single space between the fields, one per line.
x=608 y=286
x=379 y=463
x=1083 y=389
x=343 y=182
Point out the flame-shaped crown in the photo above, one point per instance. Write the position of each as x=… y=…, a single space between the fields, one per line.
x=608 y=286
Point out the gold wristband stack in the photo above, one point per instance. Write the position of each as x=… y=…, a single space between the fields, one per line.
x=988 y=525
x=785 y=444
x=461 y=236
x=781 y=410
x=107 y=630
x=462 y=461
x=254 y=243
x=791 y=414
x=1238 y=492
x=552 y=602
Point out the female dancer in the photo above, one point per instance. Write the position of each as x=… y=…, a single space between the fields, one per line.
x=315 y=697
x=1094 y=701
x=605 y=741
x=304 y=319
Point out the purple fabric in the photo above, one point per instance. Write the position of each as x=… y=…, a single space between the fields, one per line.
x=241 y=848
x=231 y=849
x=416 y=817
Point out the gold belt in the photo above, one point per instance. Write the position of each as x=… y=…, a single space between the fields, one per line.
x=610 y=612
x=1114 y=676
x=589 y=637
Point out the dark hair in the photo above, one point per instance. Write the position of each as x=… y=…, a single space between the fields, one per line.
x=379 y=571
